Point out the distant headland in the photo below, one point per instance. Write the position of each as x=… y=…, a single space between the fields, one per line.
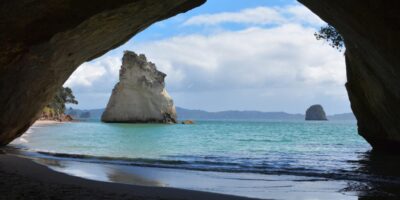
x=184 y=114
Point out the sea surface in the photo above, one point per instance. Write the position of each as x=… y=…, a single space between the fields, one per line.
x=329 y=153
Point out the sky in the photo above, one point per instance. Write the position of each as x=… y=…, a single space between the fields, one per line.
x=231 y=55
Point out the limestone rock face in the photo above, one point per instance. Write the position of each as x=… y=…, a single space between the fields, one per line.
x=315 y=112
x=43 y=42
x=140 y=94
x=371 y=30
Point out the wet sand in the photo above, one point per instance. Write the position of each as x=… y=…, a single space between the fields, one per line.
x=251 y=185
x=258 y=186
x=25 y=178
x=21 y=178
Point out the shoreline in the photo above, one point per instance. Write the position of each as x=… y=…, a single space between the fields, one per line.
x=22 y=178
x=46 y=122
x=29 y=178
x=281 y=185
x=240 y=185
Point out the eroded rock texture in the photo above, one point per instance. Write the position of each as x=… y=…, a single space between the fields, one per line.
x=371 y=30
x=43 y=42
x=140 y=95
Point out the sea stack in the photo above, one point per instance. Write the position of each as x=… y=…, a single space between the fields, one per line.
x=140 y=95
x=315 y=112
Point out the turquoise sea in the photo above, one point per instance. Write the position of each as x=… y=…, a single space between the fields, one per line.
x=320 y=149
x=255 y=146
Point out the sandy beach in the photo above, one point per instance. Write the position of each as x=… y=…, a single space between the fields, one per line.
x=21 y=178
x=46 y=122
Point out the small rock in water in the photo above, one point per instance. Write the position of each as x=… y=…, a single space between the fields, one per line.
x=315 y=112
x=67 y=118
x=188 y=122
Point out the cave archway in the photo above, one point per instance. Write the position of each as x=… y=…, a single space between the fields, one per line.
x=38 y=54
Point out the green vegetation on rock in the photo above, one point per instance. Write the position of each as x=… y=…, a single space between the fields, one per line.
x=56 y=108
x=332 y=36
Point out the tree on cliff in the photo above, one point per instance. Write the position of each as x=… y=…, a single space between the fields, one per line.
x=56 y=108
x=331 y=35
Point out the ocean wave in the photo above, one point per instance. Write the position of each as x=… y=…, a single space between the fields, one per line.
x=222 y=164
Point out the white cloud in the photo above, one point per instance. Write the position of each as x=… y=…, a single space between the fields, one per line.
x=98 y=75
x=258 y=67
x=300 y=14
x=271 y=67
x=283 y=56
x=259 y=16
x=85 y=75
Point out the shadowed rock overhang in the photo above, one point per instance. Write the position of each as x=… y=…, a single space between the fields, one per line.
x=43 y=42
x=371 y=30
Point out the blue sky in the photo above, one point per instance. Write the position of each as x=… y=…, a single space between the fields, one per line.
x=172 y=26
x=231 y=55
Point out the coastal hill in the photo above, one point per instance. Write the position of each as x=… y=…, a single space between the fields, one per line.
x=343 y=116
x=95 y=115
x=232 y=115
x=249 y=115
x=140 y=95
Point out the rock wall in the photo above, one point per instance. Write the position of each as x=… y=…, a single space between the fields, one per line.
x=315 y=112
x=43 y=42
x=371 y=30
x=140 y=94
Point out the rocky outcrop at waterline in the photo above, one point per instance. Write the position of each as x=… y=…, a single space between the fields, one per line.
x=43 y=42
x=140 y=95
x=371 y=30
x=315 y=112
x=187 y=122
